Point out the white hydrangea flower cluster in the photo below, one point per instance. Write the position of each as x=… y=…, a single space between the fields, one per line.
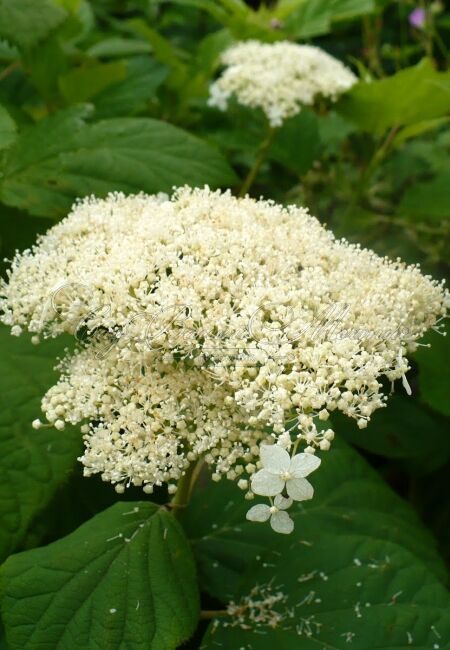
x=279 y=78
x=209 y=330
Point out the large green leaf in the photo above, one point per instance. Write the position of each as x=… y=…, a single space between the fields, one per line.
x=26 y=22
x=334 y=593
x=124 y=580
x=358 y=569
x=33 y=463
x=64 y=157
x=353 y=512
x=412 y=95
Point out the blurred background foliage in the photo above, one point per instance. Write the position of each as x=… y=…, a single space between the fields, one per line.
x=106 y=95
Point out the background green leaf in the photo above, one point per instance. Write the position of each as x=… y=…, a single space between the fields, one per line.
x=124 y=579
x=434 y=372
x=81 y=84
x=64 y=157
x=130 y=96
x=26 y=22
x=412 y=95
x=405 y=429
x=7 y=128
x=429 y=199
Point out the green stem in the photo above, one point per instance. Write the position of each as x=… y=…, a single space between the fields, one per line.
x=259 y=159
x=185 y=486
x=377 y=158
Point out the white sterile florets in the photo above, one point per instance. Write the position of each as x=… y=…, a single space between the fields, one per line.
x=279 y=78
x=213 y=325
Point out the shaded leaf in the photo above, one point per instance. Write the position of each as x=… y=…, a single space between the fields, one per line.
x=296 y=145
x=434 y=372
x=33 y=463
x=359 y=568
x=428 y=200
x=80 y=84
x=124 y=579
x=352 y=510
x=405 y=429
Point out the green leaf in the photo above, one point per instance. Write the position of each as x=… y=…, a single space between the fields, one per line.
x=81 y=84
x=358 y=571
x=412 y=95
x=405 y=429
x=434 y=372
x=330 y=601
x=428 y=200
x=33 y=463
x=7 y=129
x=124 y=580
x=26 y=22
x=64 y=157
x=353 y=513
x=130 y=96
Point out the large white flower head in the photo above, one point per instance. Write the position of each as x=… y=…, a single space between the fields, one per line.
x=214 y=326
x=279 y=78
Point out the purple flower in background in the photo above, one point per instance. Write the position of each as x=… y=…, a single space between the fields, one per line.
x=417 y=18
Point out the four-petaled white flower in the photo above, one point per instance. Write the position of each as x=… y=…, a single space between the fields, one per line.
x=280 y=471
x=279 y=520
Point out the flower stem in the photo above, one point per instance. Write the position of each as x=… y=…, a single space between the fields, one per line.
x=185 y=486
x=259 y=159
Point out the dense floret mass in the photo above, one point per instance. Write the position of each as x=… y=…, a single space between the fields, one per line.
x=279 y=78
x=210 y=325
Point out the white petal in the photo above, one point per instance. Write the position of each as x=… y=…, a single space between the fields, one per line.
x=274 y=458
x=303 y=464
x=266 y=484
x=282 y=523
x=281 y=502
x=260 y=512
x=299 y=489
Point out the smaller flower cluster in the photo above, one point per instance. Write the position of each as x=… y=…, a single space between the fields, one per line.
x=280 y=472
x=279 y=78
